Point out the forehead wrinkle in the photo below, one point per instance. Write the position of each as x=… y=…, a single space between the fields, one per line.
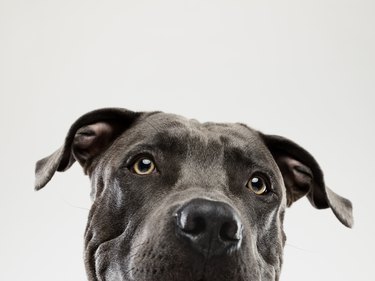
x=205 y=161
x=202 y=150
x=243 y=140
x=176 y=127
x=206 y=140
x=203 y=145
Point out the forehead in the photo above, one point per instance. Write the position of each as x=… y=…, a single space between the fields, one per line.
x=177 y=132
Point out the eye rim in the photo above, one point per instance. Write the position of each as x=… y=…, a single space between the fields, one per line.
x=135 y=169
x=266 y=184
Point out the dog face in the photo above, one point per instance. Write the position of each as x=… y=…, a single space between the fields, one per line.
x=175 y=199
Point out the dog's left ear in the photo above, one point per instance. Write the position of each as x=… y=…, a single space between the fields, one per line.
x=303 y=176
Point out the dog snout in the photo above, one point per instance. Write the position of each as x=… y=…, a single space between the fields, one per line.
x=210 y=227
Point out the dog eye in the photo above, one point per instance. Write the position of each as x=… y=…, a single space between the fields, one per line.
x=144 y=166
x=258 y=185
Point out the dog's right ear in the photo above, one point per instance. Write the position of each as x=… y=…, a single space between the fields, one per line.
x=88 y=137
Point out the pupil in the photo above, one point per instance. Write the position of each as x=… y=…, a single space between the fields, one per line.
x=145 y=164
x=256 y=183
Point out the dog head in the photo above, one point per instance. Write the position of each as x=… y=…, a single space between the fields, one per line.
x=175 y=199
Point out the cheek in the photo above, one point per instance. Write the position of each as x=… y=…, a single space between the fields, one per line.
x=270 y=232
x=263 y=225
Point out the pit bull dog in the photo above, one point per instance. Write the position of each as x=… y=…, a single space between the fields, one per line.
x=178 y=200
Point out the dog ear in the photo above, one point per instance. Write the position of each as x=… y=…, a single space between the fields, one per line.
x=303 y=176
x=89 y=136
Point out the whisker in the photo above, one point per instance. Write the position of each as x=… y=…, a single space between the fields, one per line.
x=133 y=255
x=140 y=244
x=298 y=248
x=74 y=206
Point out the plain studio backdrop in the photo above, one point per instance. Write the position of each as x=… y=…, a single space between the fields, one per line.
x=301 y=69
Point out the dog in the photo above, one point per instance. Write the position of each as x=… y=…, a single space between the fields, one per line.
x=178 y=200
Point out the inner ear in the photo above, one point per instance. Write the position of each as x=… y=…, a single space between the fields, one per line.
x=303 y=176
x=91 y=140
x=297 y=177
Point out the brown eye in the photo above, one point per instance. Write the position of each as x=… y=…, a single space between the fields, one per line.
x=258 y=185
x=144 y=166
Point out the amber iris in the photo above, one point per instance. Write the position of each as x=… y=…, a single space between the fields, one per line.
x=144 y=166
x=258 y=185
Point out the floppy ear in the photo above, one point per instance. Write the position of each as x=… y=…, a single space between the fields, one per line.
x=303 y=176
x=89 y=136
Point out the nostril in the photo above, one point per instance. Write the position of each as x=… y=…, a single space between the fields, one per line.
x=210 y=227
x=191 y=224
x=230 y=231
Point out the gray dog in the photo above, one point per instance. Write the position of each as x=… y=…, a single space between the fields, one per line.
x=178 y=200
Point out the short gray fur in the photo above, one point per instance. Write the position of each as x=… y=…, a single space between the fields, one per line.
x=132 y=233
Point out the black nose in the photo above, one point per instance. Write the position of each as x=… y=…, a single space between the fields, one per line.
x=211 y=227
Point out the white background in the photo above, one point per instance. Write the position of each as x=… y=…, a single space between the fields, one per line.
x=301 y=69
